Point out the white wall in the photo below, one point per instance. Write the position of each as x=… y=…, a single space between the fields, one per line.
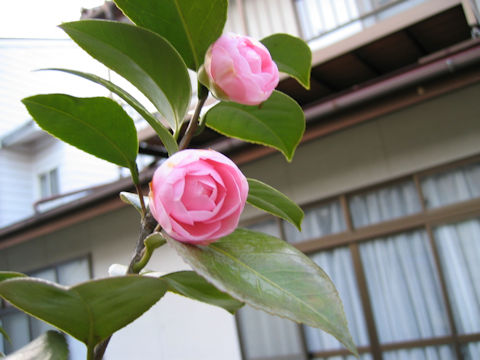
x=16 y=192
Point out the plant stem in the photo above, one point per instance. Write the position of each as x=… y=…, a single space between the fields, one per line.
x=142 y=202
x=148 y=226
x=192 y=126
x=90 y=352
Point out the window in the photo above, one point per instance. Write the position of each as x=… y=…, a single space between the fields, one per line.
x=22 y=328
x=49 y=183
x=405 y=258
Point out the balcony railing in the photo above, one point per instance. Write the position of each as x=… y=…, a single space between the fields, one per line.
x=313 y=20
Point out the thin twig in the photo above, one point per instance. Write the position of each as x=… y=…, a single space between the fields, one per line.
x=142 y=202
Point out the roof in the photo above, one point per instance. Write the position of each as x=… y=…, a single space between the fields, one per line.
x=424 y=54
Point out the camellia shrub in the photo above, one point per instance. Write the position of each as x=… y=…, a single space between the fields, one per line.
x=196 y=196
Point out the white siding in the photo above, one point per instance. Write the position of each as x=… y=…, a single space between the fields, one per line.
x=80 y=170
x=16 y=192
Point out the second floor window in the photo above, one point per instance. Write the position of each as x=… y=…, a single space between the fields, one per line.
x=48 y=183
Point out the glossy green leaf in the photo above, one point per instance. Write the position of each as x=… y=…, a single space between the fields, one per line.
x=165 y=136
x=190 y=25
x=267 y=198
x=193 y=286
x=142 y=57
x=269 y=274
x=292 y=56
x=134 y=200
x=49 y=346
x=90 y=311
x=4 y=275
x=98 y=126
x=279 y=122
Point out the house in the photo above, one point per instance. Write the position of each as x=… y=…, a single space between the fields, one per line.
x=388 y=174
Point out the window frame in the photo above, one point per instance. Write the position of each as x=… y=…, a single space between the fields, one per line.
x=52 y=183
x=6 y=309
x=425 y=220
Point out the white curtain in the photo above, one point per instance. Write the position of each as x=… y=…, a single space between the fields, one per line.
x=444 y=352
x=452 y=186
x=384 y=204
x=459 y=249
x=404 y=289
x=338 y=265
x=319 y=221
x=264 y=335
x=471 y=351
x=347 y=357
x=267 y=336
x=269 y=227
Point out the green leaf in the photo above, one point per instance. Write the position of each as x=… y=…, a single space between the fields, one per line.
x=193 y=286
x=4 y=334
x=292 y=56
x=90 y=311
x=49 y=346
x=190 y=25
x=271 y=275
x=4 y=275
x=134 y=200
x=279 y=122
x=267 y=198
x=165 y=136
x=98 y=126
x=142 y=57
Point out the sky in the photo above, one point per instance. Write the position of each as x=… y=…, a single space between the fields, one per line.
x=39 y=18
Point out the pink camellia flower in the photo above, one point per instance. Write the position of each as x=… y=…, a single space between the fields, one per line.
x=239 y=68
x=197 y=196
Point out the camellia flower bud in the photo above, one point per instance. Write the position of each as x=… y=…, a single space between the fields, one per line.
x=240 y=69
x=197 y=196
